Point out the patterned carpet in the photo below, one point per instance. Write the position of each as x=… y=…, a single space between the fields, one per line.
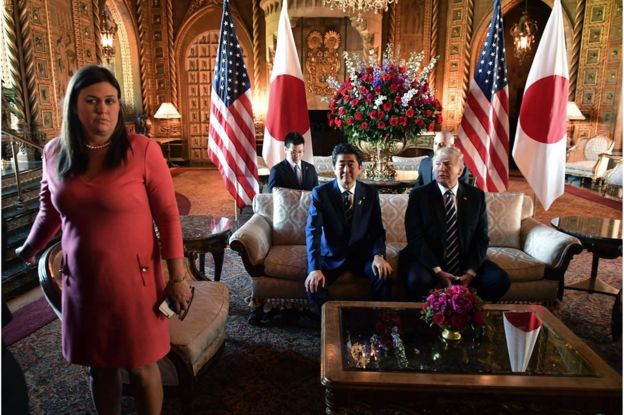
x=274 y=369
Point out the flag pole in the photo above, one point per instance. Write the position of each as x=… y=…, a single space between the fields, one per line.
x=235 y=210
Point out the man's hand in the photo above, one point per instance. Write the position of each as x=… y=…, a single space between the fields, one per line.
x=314 y=279
x=446 y=278
x=466 y=279
x=21 y=253
x=381 y=267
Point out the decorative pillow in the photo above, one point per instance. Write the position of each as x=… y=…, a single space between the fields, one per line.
x=504 y=212
x=290 y=213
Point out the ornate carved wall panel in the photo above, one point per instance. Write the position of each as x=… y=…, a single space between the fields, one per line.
x=600 y=77
x=457 y=60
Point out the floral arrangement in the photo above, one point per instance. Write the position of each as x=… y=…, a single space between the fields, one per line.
x=454 y=308
x=382 y=103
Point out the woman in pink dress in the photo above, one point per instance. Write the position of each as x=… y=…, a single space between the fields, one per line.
x=105 y=189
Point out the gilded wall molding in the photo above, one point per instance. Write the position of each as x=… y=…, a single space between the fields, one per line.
x=10 y=11
x=143 y=67
x=125 y=56
x=95 y=6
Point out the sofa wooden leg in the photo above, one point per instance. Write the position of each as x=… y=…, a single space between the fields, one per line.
x=256 y=316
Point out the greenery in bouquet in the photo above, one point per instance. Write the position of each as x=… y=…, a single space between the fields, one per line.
x=383 y=103
x=454 y=308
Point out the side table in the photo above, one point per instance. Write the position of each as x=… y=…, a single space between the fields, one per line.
x=203 y=234
x=600 y=236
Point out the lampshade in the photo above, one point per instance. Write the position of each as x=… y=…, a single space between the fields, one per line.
x=167 y=111
x=574 y=113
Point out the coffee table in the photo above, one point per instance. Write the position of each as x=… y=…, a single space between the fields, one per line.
x=600 y=236
x=203 y=234
x=472 y=375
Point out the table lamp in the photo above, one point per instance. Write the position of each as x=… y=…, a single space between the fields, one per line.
x=167 y=111
x=574 y=114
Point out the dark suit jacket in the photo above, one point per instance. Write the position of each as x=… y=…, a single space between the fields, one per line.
x=328 y=241
x=425 y=172
x=282 y=175
x=426 y=229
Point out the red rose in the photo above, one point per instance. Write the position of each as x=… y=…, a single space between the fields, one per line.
x=331 y=122
x=341 y=111
x=394 y=87
x=355 y=102
x=350 y=120
x=430 y=127
x=373 y=114
x=420 y=122
x=338 y=122
x=364 y=126
x=363 y=89
x=381 y=125
x=438 y=318
x=403 y=121
x=358 y=116
x=409 y=113
x=458 y=322
x=438 y=119
x=428 y=113
x=369 y=69
x=479 y=317
x=397 y=99
x=394 y=121
x=387 y=106
x=380 y=114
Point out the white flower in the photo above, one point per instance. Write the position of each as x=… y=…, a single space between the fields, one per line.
x=379 y=100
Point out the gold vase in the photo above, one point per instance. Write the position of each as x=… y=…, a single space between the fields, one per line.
x=381 y=167
x=451 y=334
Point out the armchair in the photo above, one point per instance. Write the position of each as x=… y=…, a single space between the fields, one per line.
x=194 y=341
x=613 y=180
x=586 y=159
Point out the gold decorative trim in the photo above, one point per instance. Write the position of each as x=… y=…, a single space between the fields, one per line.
x=95 y=6
x=147 y=110
x=433 y=50
x=173 y=74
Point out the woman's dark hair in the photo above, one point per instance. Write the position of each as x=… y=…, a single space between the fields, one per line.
x=346 y=148
x=72 y=156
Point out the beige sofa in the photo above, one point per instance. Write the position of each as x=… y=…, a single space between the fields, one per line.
x=272 y=247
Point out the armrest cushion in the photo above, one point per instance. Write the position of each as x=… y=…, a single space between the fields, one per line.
x=545 y=243
x=253 y=239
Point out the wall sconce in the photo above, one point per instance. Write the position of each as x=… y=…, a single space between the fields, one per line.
x=108 y=29
x=167 y=112
x=523 y=34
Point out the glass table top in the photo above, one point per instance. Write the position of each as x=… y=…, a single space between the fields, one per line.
x=387 y=340
x=589 y=227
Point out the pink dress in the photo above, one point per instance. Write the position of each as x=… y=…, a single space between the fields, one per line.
x=112 y=278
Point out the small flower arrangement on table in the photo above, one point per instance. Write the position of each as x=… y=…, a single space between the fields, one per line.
x=453 y=309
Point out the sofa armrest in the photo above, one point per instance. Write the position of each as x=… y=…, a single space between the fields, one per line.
x=253 y=241
x=547 y=244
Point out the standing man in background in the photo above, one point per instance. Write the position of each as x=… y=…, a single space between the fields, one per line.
x=425 y=169
x=293 y=172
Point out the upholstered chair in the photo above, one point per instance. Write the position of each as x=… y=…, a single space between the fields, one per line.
x=407 y=163
x=194 y=341
x=613 y=181
x=587 y=158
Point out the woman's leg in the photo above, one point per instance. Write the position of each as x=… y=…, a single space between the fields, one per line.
x=106 y=390
x=147 y=388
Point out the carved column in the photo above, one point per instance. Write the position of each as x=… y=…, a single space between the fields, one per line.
x=579 y=18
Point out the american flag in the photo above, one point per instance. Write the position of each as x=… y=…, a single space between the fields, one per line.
x=231 y=135
x=484 y=130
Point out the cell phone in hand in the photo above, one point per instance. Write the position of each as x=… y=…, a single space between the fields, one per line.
x=166 y=308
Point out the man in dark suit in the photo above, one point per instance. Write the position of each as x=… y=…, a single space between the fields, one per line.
x=447 y=235
x=344 y=231
x=425 y=169
x=293 y=172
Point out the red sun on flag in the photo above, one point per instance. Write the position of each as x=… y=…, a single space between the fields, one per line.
x=536 y=104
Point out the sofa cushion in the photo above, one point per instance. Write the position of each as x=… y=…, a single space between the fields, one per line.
x=393 y=209
x=504 y=212
x=287 y=262
x=519 y=265
x=290 y=213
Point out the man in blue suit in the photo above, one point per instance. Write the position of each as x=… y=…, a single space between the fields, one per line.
x=344 y=231
x=425 y=169
x=293 y=172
